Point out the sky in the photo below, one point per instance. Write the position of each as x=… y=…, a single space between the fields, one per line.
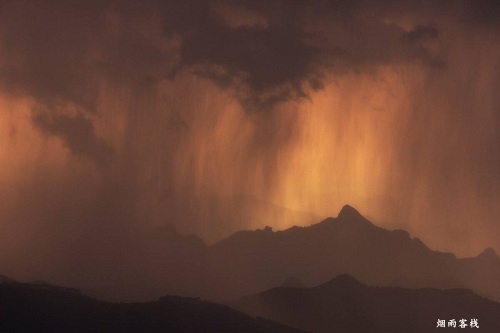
x=215 y=116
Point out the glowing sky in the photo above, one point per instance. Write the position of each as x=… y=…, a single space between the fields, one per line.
x=216 y=116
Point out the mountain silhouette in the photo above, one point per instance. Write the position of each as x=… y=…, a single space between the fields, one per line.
x=163 y=261
x=250 y=261
x=345 y=305
x=46 y=308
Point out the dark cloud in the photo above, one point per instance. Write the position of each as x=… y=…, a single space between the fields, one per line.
x=288 y=58
x=263 y=60
x=47 y=50
x=423 y=43
x=77 y=133
x=61 y=51
x=483 y=13
x=422 y=32
x=263 y=66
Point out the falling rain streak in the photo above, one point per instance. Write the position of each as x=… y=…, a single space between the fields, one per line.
x=118 y=118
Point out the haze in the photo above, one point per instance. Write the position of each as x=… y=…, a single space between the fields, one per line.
x=119 y=117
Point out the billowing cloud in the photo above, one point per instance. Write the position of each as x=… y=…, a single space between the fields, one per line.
x=77 y=133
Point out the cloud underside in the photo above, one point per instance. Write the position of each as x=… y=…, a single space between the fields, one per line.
x=178 y=103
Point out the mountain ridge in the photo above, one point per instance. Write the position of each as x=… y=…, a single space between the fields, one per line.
x=344 y=304
x=167 y=262
x=47 y=308
x=351 y=244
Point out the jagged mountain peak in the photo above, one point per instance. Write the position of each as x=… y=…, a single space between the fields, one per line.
x=349 y=215
x=348 y=212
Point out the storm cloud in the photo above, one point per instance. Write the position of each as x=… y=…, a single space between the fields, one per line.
x=118 y=117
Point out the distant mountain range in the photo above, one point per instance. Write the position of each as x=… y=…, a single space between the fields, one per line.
x=165 y=262
x=402 y=288
x=346 y=305
x=342 y=304
x=251 y=261
x=46 y=308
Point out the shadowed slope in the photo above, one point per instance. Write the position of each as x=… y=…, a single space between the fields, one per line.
x=166 y=262
x=5 y=279
x=346 y=305
x=42 y=308
x=257 y=260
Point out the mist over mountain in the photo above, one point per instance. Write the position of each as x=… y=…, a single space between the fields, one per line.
x=163 y=261
x=412 y=286
x=43 y=308
x=343 y=304
x=350 y=244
